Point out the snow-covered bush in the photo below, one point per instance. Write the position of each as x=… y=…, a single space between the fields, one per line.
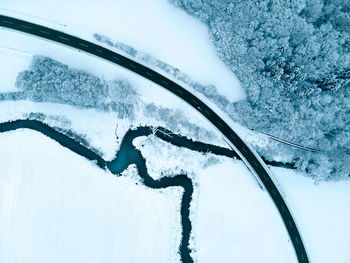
x=51 y=81
x=48 y=80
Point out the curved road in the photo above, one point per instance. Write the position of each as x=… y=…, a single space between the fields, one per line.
x=254 y=163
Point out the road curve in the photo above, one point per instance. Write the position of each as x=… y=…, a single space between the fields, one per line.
x=253 y=162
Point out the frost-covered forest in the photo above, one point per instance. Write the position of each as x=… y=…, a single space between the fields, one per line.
x=293 y=59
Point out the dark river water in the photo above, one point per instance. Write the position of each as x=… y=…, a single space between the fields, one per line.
x=127 y=155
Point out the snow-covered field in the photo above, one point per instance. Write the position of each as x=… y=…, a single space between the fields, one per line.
x=152 y=26
x=232 y=219
x=48 y=206
x=57 y=207
x=231 y=216
x=176 y=28
x=11 y=62
x=98 y=127
x=322 y=213
x=103 y=131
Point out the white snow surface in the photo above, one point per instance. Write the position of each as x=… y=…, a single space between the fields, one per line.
x=152 y=26
x=232 y=219
x=103 y=131
x=240 y=224
x=11 y=62
x=99 y=127
x=54 y=14
x=149 y=91
x=235 y=221
x=322 y=214
x=55 y=206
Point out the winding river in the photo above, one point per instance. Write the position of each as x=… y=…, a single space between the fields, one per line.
x=128 y=154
